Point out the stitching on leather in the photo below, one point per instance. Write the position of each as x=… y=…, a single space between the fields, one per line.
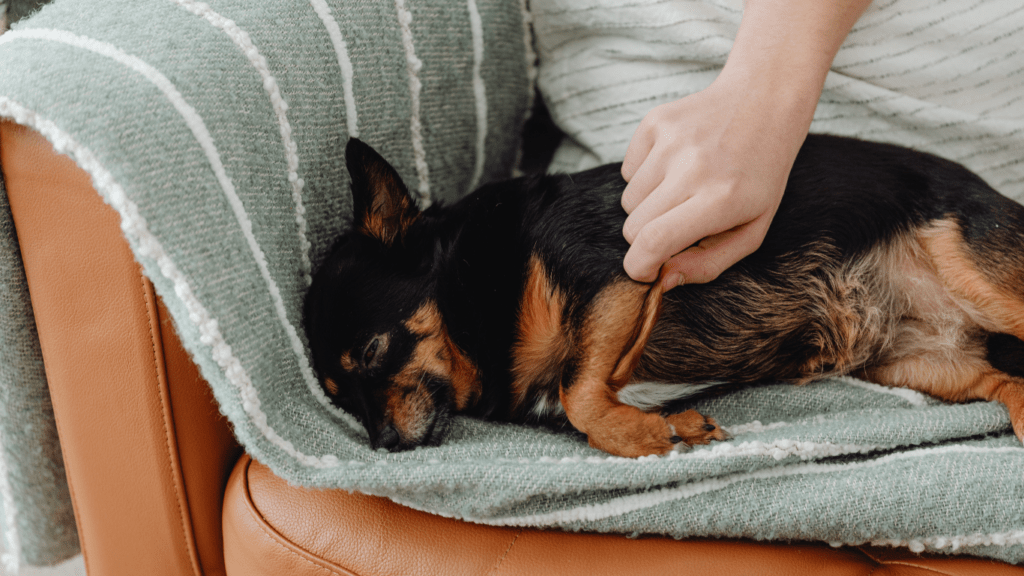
x=510 y=545
x=292 y=552
x=179 y=496
x=868 y=554
x=919 y=567
x=886 y=563
x=275 y=536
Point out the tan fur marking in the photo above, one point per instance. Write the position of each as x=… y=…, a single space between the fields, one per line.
x=1010 y=391
x=951 y=379
x=347 y=363
x=591 y=403
x=939 y=348
x=437 y=354
x=945 y=244
x=465 y=378
x=409 y=404
x=331 y=386
x=541 y=341
x=391 y=211
x=620 y=305
x=426 y=320
x=648 y=318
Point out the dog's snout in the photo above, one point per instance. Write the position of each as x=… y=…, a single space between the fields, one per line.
x=387 y=438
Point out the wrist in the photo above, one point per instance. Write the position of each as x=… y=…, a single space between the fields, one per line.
x=771 y=97
x=784 y=50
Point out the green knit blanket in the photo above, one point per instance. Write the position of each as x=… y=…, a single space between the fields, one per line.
x=216 y=131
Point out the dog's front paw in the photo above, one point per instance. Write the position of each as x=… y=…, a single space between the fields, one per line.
x=692 y=427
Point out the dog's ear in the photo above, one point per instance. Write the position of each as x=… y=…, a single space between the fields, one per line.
x=382 y=205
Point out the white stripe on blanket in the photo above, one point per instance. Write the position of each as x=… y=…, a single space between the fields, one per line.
x=413 y=65
x=244 y=42
x=344 y=63
x=479 y=92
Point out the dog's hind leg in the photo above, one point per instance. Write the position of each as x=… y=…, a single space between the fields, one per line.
x=615 y=330
x=981 y=266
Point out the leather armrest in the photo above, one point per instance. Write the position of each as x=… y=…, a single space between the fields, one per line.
x=146 y=451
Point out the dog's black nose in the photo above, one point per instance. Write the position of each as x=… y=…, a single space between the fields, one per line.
x=387 y=438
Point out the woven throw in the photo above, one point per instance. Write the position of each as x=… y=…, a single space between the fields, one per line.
x=216 y=132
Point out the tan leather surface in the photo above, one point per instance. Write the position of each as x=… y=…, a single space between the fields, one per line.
x=207 y=450
x=146 y=453
x=273 y=528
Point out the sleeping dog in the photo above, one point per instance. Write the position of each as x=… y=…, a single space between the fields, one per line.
x=888 y=264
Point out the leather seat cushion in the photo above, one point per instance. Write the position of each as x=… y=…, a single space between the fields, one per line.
x=273 y=528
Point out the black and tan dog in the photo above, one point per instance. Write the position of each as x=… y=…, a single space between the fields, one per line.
x=511 y=304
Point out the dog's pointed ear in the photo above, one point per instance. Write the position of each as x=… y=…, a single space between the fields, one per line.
x=382 y=205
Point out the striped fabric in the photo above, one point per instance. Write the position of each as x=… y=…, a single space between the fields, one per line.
x=944 y=76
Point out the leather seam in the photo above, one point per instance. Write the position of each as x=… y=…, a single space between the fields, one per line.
x=278 y=539
x=507 y=550
x=169 y=444
x=881 y=564
x=919 y=567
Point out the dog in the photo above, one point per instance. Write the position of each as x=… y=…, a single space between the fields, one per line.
x=512 y=304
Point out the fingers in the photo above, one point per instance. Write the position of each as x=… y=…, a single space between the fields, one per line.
x=660 y=200
x=639 y=147
x=671 y=239
x=645 y=180
x=667 y=235
x=712 y=256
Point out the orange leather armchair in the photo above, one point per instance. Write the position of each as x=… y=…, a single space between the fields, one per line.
x=160 y=487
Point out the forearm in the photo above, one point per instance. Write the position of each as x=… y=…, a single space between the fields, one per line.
x=784 y=49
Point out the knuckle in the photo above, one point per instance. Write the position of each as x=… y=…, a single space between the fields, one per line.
x=628 y=231
x=652 y=237
x=634 y=267
x=710 y=270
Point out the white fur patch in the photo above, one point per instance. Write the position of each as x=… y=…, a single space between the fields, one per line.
x=650 y=395
x=544 y=407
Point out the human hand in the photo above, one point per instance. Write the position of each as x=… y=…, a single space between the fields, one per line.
x=706 y=173
x=705 y=176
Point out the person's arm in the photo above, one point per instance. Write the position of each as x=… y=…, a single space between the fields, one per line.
x=706 y=173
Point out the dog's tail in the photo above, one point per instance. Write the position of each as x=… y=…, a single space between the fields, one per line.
x=648 y=317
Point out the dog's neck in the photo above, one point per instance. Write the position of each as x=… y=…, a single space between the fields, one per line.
x=480 y=273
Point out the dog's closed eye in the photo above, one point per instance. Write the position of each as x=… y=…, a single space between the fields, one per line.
x=374 y=350
x=370 y=351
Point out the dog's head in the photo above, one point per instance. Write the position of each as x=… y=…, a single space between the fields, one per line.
x=379 y=342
